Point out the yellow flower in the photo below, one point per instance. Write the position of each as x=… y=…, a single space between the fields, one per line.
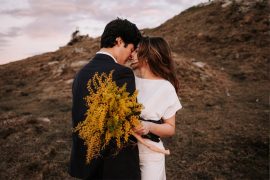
x=112 y=113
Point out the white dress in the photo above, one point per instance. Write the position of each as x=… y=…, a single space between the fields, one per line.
x=160 y=100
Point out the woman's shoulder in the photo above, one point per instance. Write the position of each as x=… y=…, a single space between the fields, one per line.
x=167 y=85
x=162 y=84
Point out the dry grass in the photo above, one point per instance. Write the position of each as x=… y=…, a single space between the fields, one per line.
x=222 y=131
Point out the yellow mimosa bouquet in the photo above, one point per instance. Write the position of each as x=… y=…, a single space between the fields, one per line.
x=111 y=115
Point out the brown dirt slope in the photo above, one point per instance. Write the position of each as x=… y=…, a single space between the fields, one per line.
x=222 y=59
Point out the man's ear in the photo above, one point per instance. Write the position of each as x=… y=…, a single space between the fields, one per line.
x=118 y=41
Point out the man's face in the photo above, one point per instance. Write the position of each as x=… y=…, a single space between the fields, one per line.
x=125 y=53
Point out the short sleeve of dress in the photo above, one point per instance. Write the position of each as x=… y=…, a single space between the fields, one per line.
x=173 y=105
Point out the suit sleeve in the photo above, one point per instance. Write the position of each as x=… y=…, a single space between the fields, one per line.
x=125 y=76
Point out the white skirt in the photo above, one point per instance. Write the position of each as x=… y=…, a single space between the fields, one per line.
x=152 y=164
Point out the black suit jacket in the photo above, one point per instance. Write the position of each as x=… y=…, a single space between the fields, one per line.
x=126 y=164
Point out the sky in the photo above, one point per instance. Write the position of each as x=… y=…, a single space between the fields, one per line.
x=32 y=27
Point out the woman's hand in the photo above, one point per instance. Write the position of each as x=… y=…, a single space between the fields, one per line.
x=144 y=128
x=151 y=146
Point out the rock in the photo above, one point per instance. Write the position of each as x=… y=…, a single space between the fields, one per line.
x=78 y=64
x=226 y=4
x=204 y=77
x=53 y=63
x=49 y=89
x=199 y=64
x=44 y=119
x=59 y=70
x=204 y=4
x=227 y=92
x=78 y=50
x=70 y=81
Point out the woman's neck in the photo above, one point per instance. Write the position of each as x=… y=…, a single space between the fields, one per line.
x=146 y=73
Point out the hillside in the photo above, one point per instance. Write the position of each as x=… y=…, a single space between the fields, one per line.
x=221 y=50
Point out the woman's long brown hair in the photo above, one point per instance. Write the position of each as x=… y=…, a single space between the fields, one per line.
x=157 y=53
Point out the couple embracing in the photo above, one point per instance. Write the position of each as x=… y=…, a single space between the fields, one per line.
x=156 y=83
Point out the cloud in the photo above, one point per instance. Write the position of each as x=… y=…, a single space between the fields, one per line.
x=3 y=42
x=53 y=17
x=12 y=33
x=39 y=21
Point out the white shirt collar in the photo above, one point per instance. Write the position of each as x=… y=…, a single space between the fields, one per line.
x=102 y=52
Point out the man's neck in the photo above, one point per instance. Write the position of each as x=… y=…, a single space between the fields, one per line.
x=110 y=52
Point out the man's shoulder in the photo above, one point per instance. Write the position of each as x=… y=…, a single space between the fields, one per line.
x=122 y=70
x=104 y=64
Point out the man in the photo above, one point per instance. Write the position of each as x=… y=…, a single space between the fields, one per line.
x=118 y=41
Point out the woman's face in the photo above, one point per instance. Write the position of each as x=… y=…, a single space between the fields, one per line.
x=134 y=59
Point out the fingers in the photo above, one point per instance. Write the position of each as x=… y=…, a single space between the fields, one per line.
x=146 y=126
x=140 y=131
x=143 y=129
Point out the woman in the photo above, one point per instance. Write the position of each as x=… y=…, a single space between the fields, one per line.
x=157 y=85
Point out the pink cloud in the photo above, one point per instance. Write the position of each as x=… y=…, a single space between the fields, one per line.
x=45 y=20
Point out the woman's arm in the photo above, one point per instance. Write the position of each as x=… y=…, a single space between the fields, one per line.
x=163 y=130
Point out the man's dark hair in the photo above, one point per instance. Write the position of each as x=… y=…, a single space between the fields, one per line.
x=123 y=28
